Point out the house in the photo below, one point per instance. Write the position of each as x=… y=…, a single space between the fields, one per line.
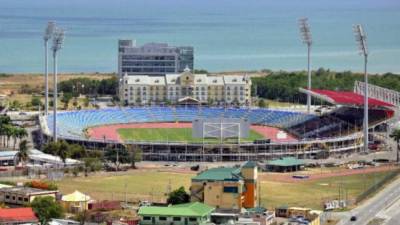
x=194 y=213
x=23 y=195
x=18 y=216
x=227 y=188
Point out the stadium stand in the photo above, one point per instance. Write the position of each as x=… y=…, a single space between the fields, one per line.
x=73 y=124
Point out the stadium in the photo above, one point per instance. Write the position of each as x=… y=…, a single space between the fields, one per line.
x=166 y=133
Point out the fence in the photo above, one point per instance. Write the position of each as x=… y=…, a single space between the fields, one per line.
x=378 y=185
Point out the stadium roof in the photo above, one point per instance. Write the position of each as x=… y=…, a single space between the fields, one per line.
x=195 y=209
x=345 y=98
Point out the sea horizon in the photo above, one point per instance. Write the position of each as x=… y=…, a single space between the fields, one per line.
x=226 y=35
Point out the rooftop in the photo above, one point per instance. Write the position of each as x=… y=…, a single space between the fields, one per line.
x=286 y=161
x=220 y=174
x=194 y=209
x=27 y=190
x=17 y=214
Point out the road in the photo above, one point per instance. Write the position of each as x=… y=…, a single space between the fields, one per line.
x=383 y=206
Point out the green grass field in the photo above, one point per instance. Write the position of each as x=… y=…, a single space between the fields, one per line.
x=172 y=134
x=142 y=184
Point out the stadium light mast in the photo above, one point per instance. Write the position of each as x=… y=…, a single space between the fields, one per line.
x=58 y=40
x=305 y=33
x=361 y=39
x=46 y=37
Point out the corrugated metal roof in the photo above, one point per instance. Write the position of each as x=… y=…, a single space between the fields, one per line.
x=194 y=209
x=220 y=174
x=286 y=161
x=18 y=215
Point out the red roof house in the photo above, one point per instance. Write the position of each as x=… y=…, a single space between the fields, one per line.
x=17 y=216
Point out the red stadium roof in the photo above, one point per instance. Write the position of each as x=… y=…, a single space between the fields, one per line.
x=17 y=215
x=345 y=98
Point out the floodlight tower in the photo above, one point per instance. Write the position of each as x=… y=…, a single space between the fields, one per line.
x=57 y=43
x=361 y=39
x=46 y=37
x=305 y=33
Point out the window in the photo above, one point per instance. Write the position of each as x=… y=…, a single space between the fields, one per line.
x=176 y=219
x=230 y=189
x=192 y=219
x=163 y=218
x=146 y=218
x=19 y=198
x=25 y=199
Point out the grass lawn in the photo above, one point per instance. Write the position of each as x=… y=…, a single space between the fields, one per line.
x=141 y=184
x=314 y=193
x=172 y=134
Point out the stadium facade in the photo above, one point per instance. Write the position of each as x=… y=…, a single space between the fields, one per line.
x=185 y=88
x=152 y=58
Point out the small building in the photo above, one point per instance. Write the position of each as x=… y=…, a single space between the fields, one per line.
x=17 y=216
x=194 y=213
x=75 y=202
x=227 y=188
x=285 y=164
x=23 y=195
x=8 y=158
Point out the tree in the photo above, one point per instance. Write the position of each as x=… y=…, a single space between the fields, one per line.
x=65 y=99
x=59 y=148
x=35 y=101
x=23 y=151
x=46 y=208
x=135 y=155
x=92 y=165
x=396 y=136
x=178 y=196
x=261 y=103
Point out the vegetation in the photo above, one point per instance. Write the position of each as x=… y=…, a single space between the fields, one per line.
x=171 y=134
x=178 y=196
x=153 y=185
x=23 y=151
x=41 y=185
x=283 y=86
x=89 y=86
x=396 y=136
x=46 y=208
x=9 y=131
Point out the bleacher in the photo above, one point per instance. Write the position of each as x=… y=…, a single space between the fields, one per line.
x=73 y=124
x=342 y=121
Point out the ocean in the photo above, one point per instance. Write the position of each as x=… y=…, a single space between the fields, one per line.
x=226 y=34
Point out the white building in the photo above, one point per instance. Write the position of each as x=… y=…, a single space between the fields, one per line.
x=185 y=87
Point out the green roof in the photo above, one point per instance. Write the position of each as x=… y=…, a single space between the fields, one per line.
x=250 y=164
x=286 y=161
x=194 y=209
x=219 y=174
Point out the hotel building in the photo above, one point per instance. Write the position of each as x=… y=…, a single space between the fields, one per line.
x=185 y=88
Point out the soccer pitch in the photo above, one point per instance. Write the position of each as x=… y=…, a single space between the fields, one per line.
x=173 y=134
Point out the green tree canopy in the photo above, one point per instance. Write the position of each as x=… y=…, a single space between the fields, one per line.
x=178 y=196
x=46 y=209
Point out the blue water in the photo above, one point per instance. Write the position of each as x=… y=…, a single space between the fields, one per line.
x=226 y=34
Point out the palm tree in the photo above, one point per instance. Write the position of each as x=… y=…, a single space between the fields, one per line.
x=63 y=151
x=23 y=151
x=396 y=136
x=20 y=133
